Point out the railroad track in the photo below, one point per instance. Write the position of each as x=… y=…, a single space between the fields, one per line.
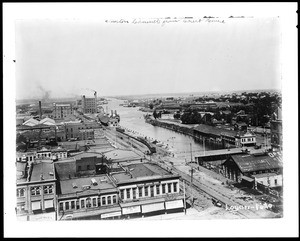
x=214 y=193
x=211 y=192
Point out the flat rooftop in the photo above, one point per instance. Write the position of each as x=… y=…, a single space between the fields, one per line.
x=84 y=184
x=65 y=168
x=46 y=169
x=141 y=171
x=86 y=155
x=121 y=155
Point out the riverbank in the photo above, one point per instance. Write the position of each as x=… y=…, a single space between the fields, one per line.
x=208 y=137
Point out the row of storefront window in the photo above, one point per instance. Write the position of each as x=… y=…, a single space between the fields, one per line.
x=88 y=203
x=138 y=192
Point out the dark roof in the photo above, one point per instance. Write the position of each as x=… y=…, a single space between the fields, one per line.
x=44 y=168
x=65 y=168
x=146 y=169
x=250 y=163
x=104 y=119
x=211 y=130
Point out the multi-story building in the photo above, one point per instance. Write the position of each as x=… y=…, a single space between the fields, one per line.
x=94 y=197
x=61 y=111
x=146 y=188
x=238 y=139
x=85 y=191
x=89 y=105
x=80 y=130
x=123 y=191
x=36 y=192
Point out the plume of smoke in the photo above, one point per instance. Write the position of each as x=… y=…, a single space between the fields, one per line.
x=45 y=93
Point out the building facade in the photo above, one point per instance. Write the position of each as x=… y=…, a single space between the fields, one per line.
x=36 y=194
x=81 y=198
x=146 y=188
x=61 y=111
x=89 y=105
x=241 y=165
x=80 y=130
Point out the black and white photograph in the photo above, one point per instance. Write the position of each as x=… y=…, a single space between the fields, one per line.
x=150 y=119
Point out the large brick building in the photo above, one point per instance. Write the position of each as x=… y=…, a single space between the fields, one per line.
x=36 y=192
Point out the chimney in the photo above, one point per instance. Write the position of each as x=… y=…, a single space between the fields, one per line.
x=112 y=112
x=40 y=109
x=95 y=94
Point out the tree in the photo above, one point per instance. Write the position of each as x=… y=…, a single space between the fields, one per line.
x=176 y=115
x=155 y=115
x=191 y=117
x=151 y=106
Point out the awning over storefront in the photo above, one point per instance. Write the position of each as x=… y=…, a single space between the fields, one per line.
x=152 y=207
x=43 y=217
x=112 y=214
x=174 y=204
x=132 y=209
x=49 y=203
x=36 y=205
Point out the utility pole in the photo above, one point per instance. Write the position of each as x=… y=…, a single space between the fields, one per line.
x=184 y=201
x=191 y=153
x=192 y=198
x=191 y=175
x=204 y=145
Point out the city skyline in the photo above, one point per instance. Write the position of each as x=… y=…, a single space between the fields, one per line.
x=63 y=58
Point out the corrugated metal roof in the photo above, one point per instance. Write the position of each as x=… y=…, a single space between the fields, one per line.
x=250 y=163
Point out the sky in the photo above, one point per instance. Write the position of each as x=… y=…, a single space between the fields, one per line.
x=64 y=58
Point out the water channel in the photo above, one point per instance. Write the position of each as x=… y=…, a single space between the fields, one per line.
x=132 y=118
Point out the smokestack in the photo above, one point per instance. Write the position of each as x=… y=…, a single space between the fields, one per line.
x=40 y=109
x=115 y=112
x=95 y=94
x=112 y=112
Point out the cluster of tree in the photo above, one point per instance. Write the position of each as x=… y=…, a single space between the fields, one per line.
x=191 y=117
x=177 y=115
x=157 y=114
x=154 y=103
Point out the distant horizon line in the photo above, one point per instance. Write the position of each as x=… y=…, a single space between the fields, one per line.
x=155 y=94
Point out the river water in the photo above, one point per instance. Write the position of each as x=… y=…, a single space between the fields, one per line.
x=132 y=118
